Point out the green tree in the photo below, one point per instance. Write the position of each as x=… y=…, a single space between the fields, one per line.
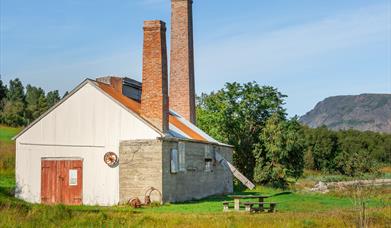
x=3 y=94
x=322 y=146
x=294 y=148
x=384 y=155
x=15 y=91
x=36 y=102
x=236 y=115
x=280 y=153
x=52 y=98
x=3 y=91
x=14 y=104
x=12 y=114
x=348 y=152
x=355 y=157
x=65 y=94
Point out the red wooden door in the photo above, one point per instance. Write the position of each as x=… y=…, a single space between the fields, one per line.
x=48 y=181
x=62 y=182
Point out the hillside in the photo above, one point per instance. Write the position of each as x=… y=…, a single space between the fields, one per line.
x=362 y=112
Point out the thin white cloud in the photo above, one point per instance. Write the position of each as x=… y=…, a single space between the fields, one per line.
x=255 y=52
x=240 y=56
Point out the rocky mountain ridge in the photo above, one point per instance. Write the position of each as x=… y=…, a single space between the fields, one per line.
x=365 y=112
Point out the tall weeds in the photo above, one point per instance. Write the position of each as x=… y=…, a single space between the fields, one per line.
x=7 y=157
x=361 y=196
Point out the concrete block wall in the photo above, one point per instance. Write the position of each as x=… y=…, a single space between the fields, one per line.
x=195 y=182
x=147 y=163
x=140 y=168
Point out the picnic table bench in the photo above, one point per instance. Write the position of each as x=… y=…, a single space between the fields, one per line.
x=249 y=206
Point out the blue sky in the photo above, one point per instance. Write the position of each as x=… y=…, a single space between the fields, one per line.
x=308 y=49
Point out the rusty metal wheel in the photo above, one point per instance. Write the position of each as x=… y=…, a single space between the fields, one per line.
x=111 y=159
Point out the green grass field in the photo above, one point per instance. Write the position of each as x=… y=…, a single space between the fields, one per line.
x=6 y=133
x=7 y=149
x=296 y=208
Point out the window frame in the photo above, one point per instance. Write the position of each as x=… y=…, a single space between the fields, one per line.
x=182 y=157
x=174 y=161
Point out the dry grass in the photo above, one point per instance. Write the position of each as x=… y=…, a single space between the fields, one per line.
x=7 y=149
x=61 y=216
x=386 y=169
x=7 y=157
x=304 y=184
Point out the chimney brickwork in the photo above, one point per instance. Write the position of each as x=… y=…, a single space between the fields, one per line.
x=182 y=88
x=154 y=98
x=115 y=82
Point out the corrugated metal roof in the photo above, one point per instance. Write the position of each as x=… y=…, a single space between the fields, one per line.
x=200 y=133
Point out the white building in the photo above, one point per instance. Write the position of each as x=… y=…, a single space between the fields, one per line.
x=91 y=121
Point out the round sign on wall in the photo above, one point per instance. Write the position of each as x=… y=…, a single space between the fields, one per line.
x=111 y=159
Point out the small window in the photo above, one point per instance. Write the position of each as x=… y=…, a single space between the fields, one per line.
x=182 y=156
x=174 y=161
x=209 y=152
x=132 y=92
x=73 y=177
x=209 y=157
x=208 y=165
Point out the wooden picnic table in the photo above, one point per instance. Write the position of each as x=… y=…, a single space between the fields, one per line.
x=237 y=199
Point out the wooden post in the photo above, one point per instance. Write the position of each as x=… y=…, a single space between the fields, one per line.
x=226 y=207
x=228 y=166
x=237 y=204
x=261 y=205
x=248 y=207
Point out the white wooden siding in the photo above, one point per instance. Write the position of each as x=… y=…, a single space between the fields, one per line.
x=87 y=125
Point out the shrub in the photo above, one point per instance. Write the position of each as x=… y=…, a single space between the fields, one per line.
x=280 y=155
x=355 y=163
x=347 y=152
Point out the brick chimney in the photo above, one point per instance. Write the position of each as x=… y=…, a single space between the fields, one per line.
x=115 y=82
x=182 y=91
x=154 y=97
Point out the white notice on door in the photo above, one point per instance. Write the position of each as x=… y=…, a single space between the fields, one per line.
x=72 y=177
